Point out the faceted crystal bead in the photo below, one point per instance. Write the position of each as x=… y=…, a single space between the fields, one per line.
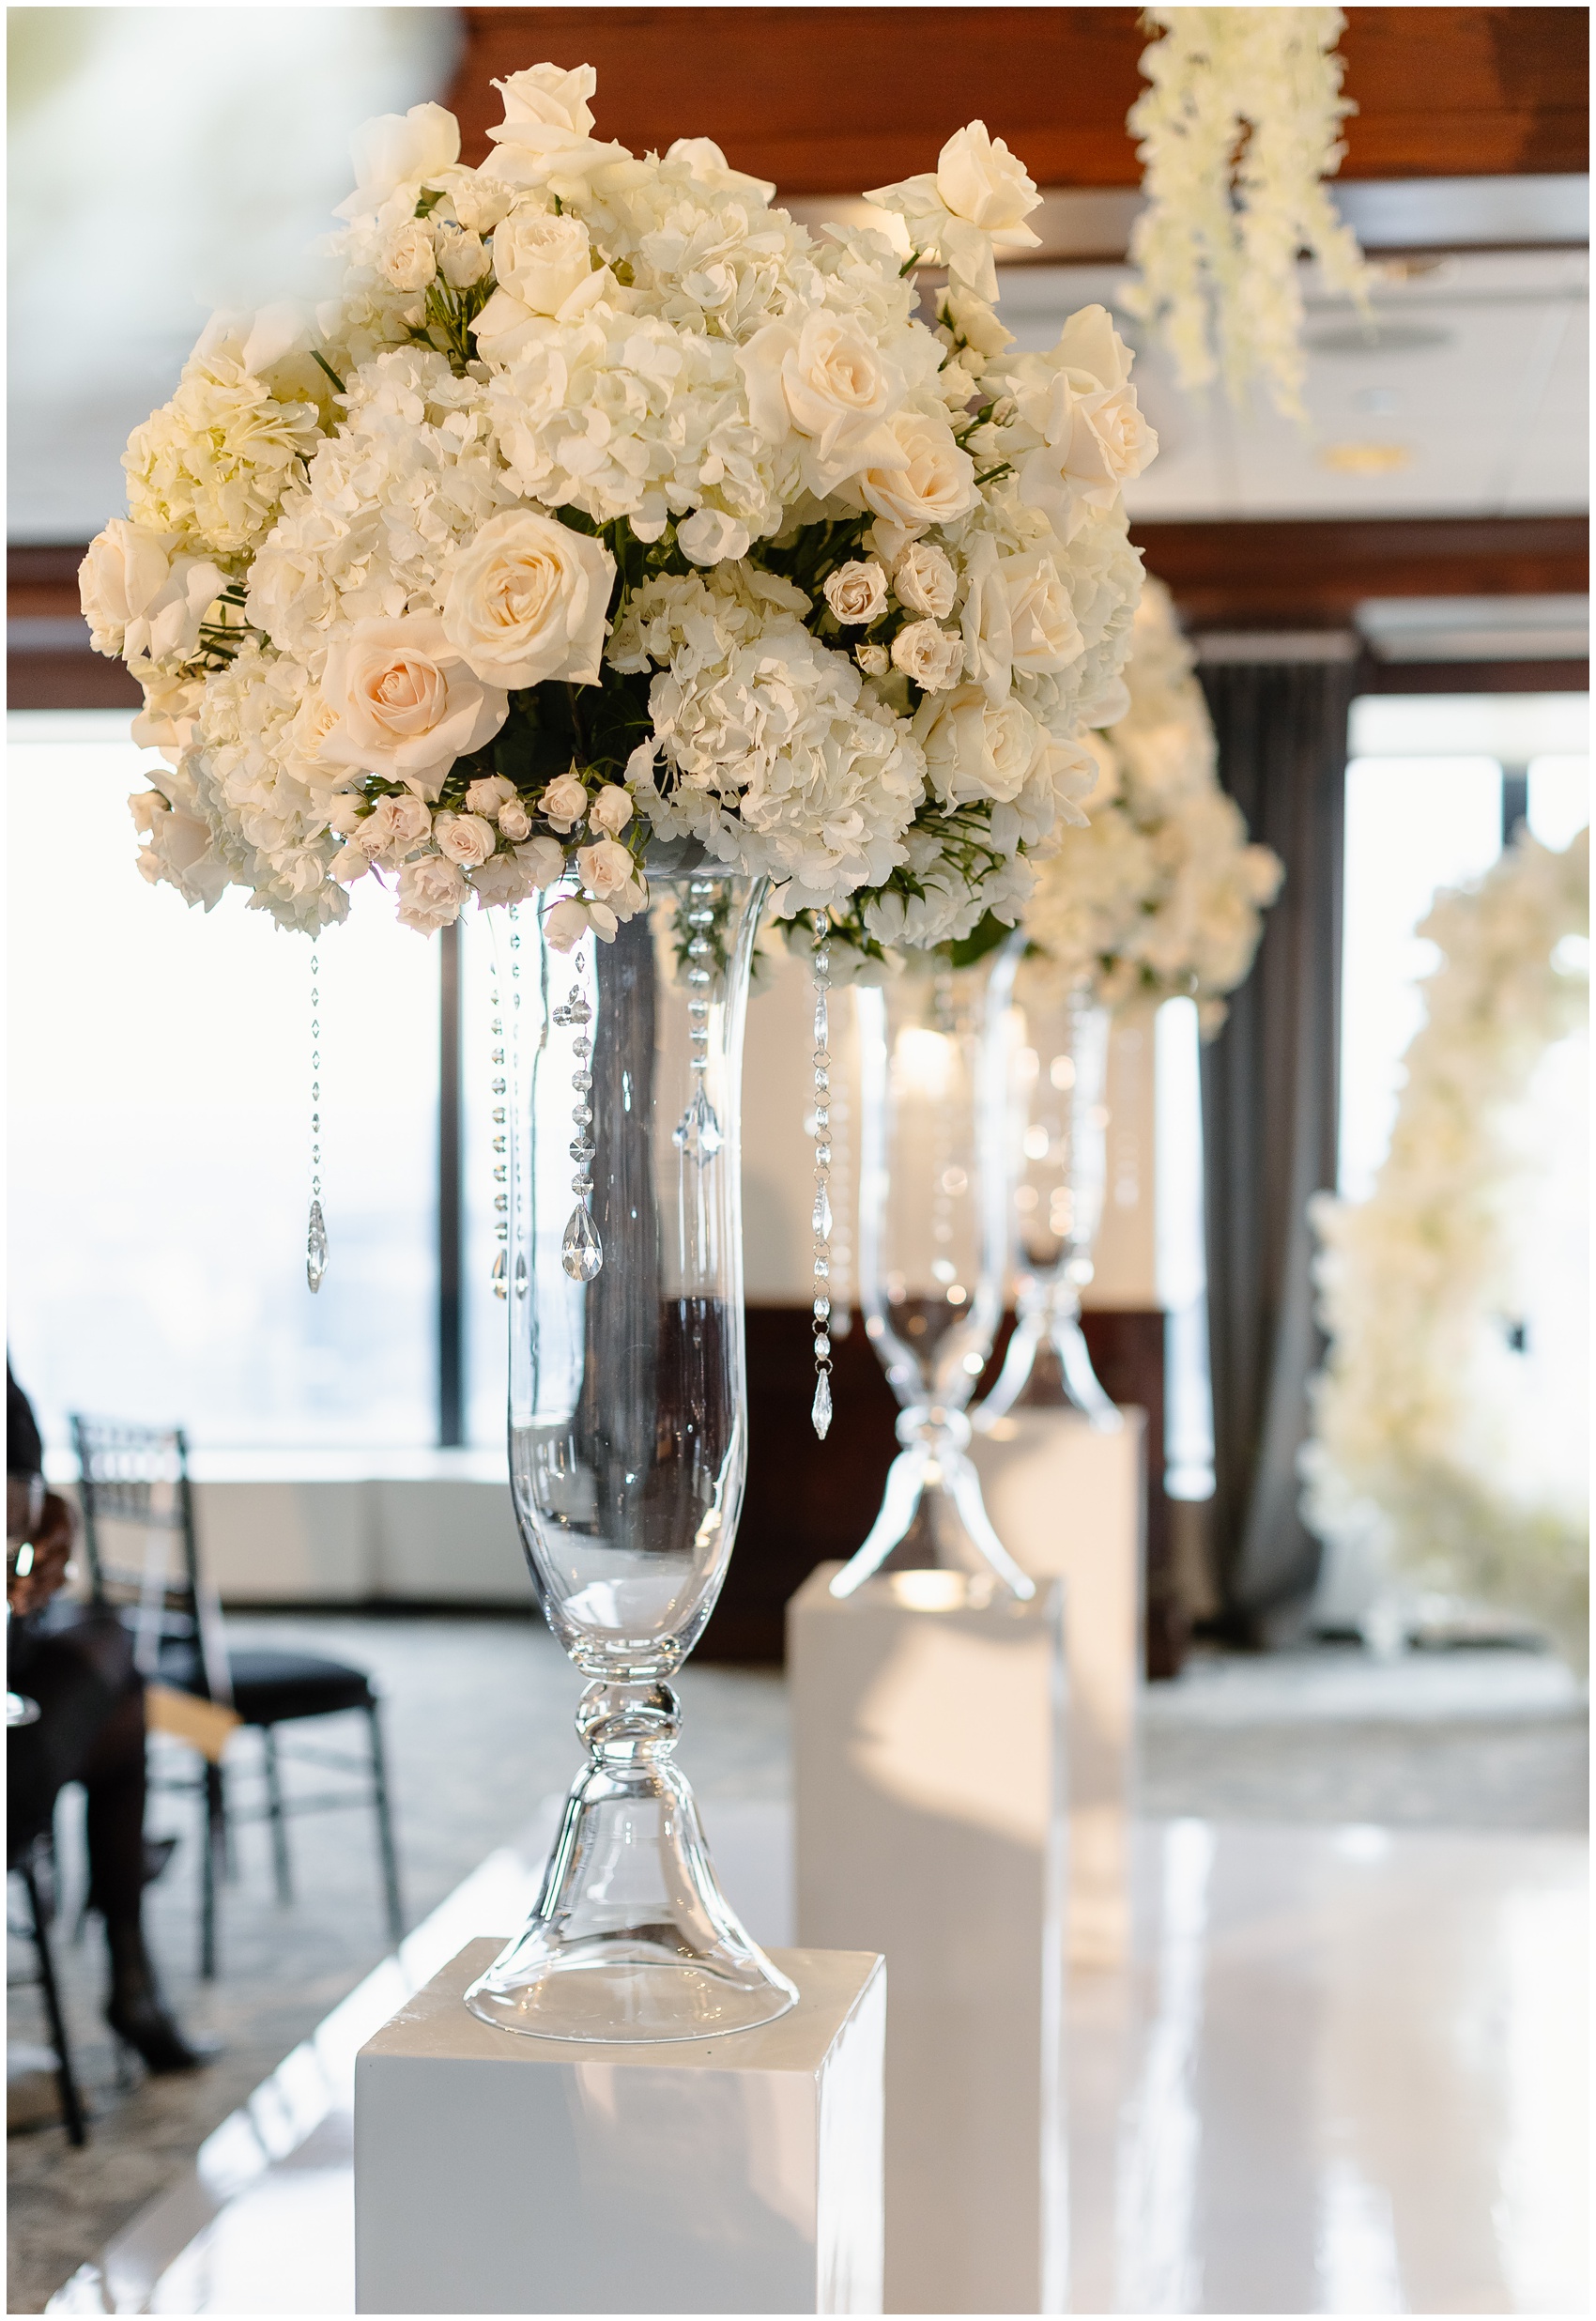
x=821 y=1020
x=583 y=1151
x=819 y=1410
x=315 y=1248
x=821 y=1219
x=697 y=1133
x=581 y=1253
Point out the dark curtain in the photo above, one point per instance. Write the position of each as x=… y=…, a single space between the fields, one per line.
x=1269 y=1123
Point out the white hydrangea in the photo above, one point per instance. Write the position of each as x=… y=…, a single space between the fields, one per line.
x=412 y=471
x=774 y=756
x=212 y=467
x=248 y=775
x=1161 y=894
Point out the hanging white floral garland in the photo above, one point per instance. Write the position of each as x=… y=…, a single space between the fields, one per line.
x=1411 y=1443
x=1160 y=897
x=1238 y=131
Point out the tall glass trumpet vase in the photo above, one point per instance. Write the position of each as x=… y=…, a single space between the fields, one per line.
x=1059 y=1075
x=934 y=1201
x=628 y=1437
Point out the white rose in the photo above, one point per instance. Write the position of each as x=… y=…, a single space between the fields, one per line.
x=478 y=202
x=399 y=148
x=873 y=659
x=932 y=656
x=546 y=107
x=515 y=822
x=923 y=580
x=406 y=707
x=527 y=599
x=708 y=536
x=857 y=593
x=511 y=877
x=409 y=262
x=432 y=893
x=462 y=259
x=827 y=382
x=568 y=921
x=488 y=792
x=1046 y=637
x=611 y=810
x=1080 y=402
x=974 y=750
x=979 y=178
x=171 y=710
x=564 y=803
x=973 y=320
x=541 y=257
x=931 y=481
x=466 y=838
x=140 y=603
x=606 y=869
x=393 y=827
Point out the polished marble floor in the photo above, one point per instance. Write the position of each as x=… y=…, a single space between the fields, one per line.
x=478 y=1718
x=1342 y=2073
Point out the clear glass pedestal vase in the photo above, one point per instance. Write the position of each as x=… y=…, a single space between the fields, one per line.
x=934 y=1201
x=1059 y=1078
x=628 y=1437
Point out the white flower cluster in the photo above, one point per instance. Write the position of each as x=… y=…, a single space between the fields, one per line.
x=1238 y=130
x=604 y=486
x=1160 y=896
x=1411 y=1441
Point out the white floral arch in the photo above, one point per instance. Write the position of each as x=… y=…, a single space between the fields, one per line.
x=1413 y=1409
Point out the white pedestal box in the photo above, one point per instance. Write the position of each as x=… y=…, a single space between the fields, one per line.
x=1070 y=1503
x=498 y=2174
x=929 y=1779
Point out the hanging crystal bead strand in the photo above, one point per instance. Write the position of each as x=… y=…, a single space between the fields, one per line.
x=820 y=1411
x=518 y=1178
x=581 y=1253
x=315 y=1235
x=697 y=1133
x=501 y=1139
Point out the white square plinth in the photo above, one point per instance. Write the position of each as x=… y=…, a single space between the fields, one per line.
x=1070 y=1503
x=928 y=1763
x=497 y=2173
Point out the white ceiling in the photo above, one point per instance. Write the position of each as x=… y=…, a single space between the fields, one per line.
x=1476 y=370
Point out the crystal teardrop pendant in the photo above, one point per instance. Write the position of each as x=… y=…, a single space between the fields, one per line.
x=819 y=1410
x=581 y=1253
x=315 y=1248
x=500 y=1276
x=698 y=1131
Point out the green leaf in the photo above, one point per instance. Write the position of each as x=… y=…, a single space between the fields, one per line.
x=986 y=935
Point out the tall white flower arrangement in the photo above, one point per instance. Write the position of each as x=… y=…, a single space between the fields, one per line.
x=603 y=507
x=1411 y=1439
x=1160 y=896
x=1238 y=131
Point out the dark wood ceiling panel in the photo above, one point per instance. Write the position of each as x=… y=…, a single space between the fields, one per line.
x=1308 y=575
x=834 y=100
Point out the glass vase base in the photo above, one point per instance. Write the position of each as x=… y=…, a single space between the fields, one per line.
x=632 y=1999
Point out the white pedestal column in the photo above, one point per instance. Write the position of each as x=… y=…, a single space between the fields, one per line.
x=497 y=2173
x=928 y=1763
x=1070 y=1503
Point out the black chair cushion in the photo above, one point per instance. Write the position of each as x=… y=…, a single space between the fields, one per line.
x=273 y=1688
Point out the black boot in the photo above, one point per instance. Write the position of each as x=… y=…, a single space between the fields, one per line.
x=138 y=2014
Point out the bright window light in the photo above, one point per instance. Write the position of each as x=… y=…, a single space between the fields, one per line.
x=159 y=1104
x=1413 y=824
x=1559 y=799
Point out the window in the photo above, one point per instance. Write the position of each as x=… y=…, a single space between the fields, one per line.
x=1427 y=798
x=160 y=1077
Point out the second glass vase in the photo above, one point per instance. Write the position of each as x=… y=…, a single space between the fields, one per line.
x=934 y=1198
x=1059 y=1076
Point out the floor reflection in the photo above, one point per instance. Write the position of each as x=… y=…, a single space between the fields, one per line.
x=1343 y=2072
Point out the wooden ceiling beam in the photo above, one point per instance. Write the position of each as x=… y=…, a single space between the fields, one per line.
x=1314 y=574
x=835 y=101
